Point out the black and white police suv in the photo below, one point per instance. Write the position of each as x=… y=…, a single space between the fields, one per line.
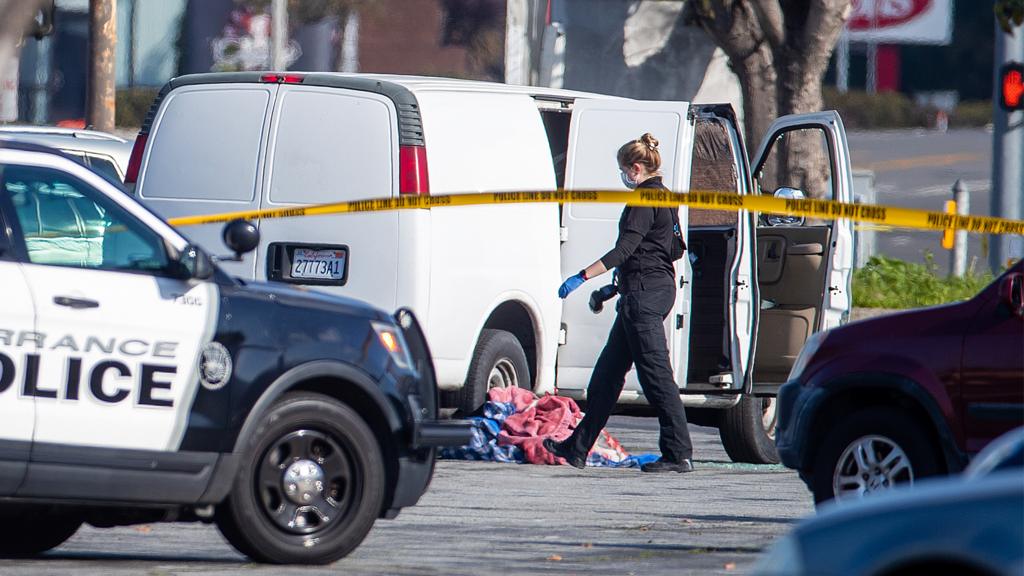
x=139 y=383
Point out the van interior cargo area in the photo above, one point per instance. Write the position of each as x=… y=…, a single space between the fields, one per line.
x=712 y=251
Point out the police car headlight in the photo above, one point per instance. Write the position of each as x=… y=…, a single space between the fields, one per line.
x=783 y=558
x=392 y=340
x=806 y=353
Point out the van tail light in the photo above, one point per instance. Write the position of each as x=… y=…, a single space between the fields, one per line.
x=412 y=170
x=131 y=174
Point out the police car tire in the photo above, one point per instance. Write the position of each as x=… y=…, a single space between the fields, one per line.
x=493 y=346
x=241 y=518
x=32 y=531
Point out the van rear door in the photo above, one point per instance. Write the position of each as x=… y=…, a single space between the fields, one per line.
x=332 y=145
x=597 y=129
x=205 y=156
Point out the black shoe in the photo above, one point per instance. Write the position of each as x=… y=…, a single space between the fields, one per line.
x=562 y=451
x=664 y=466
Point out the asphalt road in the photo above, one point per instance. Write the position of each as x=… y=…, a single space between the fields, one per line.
x=483 y=518
x=917 y=169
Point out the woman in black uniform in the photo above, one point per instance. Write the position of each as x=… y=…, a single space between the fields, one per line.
x=648 y=243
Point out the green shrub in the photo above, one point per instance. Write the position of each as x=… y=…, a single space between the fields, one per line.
x=861 y=110
x=133 y=105
x=890 y=283
x=971 y=114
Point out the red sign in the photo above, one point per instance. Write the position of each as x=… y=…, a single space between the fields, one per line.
x=875 y=14
x=1012 y=82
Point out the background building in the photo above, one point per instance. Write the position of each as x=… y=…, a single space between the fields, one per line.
x=635 y=48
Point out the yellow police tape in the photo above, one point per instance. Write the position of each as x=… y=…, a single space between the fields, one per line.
x=707 y=200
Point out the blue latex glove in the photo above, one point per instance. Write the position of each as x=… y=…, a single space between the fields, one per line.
x=571 y=283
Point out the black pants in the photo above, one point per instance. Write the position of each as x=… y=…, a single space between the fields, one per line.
x=637 y=337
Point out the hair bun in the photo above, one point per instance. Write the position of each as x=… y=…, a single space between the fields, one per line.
x=649 y=140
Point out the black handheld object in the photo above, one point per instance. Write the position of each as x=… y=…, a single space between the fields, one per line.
x=600 y=296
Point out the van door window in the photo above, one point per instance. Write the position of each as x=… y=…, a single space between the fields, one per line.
x=331 y=147
x=206 y=145
x=799 y=160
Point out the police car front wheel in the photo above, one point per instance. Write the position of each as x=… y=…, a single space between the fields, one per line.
x=310 y=484
x=27 y=531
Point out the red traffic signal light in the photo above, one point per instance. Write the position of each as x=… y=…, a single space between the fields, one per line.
x=1011 y=86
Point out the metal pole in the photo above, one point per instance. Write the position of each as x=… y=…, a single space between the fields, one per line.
x=871 y=84
x=102 y=94
x=517 y=46
x=350 y=43
x=41 y=98
x=1007 y=154
x=278 y=34
x=958 y=262
x=843 y=62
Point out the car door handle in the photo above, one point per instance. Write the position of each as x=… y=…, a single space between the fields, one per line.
x=76 y=303
x=805 y=249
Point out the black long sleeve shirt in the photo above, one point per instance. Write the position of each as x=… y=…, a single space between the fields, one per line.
x=642 y=252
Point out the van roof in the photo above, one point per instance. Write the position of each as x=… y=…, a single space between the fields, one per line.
x=434 y=83
x=400 y=89
x=409 y=82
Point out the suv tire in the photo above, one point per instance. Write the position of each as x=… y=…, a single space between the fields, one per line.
x=498 y=362
x=747 y=430
x=309 y=486
x=33 y=530
x=875 y=433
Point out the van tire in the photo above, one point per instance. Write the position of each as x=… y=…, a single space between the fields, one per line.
x=304 y=428
x=498 y=361
x=33 y=530
x=747 y=430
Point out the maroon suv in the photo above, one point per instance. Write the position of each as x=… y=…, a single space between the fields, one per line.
x=903 y=396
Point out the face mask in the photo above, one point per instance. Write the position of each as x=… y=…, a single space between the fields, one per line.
x=626 y=180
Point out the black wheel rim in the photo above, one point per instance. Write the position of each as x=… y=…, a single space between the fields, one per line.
x=307 y=482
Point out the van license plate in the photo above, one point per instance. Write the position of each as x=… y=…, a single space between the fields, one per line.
x=318 y=264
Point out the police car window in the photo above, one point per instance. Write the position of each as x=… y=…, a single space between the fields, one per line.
x=65 y=222
x=105 y=167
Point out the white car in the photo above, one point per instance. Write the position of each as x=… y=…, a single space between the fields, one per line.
x=105 y=153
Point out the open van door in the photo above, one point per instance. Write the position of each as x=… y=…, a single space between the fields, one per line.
x=721 y=243
x=804 y=266
x=597 y=129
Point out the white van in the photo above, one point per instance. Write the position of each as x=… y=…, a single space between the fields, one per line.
x=484 y=279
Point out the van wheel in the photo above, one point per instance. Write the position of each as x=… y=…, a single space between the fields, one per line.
x=747 y=430
x=870 y=452
x=310 y=484
x=33 y=530
x=498 y=362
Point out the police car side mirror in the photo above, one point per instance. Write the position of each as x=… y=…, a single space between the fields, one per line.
x=193 y=263
x=241 y=237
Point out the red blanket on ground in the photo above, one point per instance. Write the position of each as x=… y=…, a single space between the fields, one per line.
x=536 y=419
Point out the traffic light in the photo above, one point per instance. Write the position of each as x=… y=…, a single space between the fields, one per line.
x=1011 y=86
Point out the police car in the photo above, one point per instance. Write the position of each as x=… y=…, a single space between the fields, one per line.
x=139 y=383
